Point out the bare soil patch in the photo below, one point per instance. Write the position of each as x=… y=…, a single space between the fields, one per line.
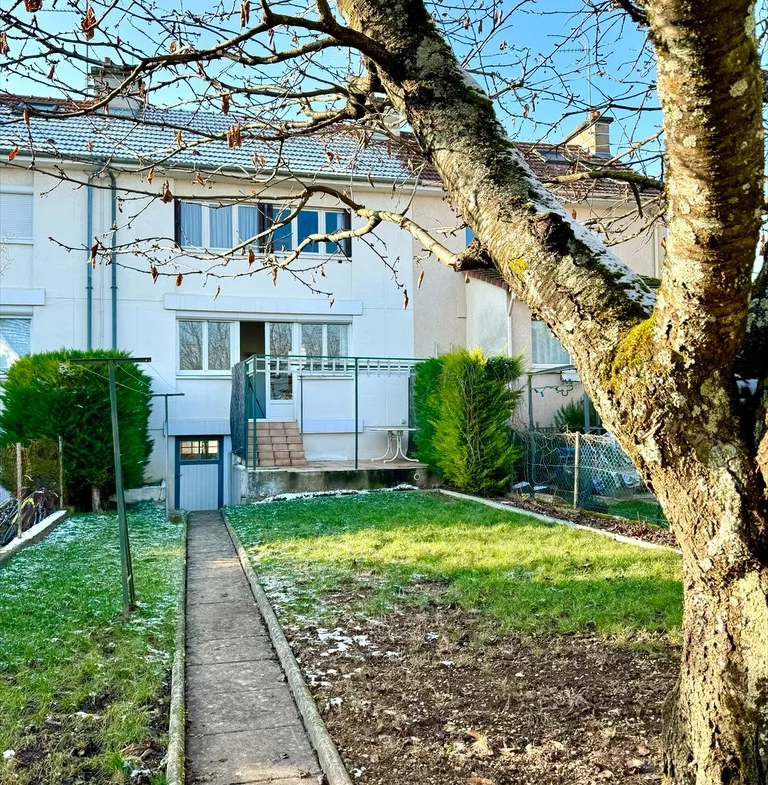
x=430 y=695
x=640 y=530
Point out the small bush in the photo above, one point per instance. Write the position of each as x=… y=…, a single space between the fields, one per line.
x=466 y=402
x=570 y=417
x=46 y=396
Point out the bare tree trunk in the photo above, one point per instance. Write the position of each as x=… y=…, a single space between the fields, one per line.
x=96 y=499
x=716 y=721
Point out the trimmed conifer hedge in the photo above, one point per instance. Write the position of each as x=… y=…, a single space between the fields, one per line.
x=463 y=404
x=46 y=396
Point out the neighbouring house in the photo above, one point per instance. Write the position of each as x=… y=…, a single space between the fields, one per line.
x=477 y=308
x=321 y=360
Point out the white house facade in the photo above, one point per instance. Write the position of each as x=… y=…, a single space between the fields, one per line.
x=347 y=303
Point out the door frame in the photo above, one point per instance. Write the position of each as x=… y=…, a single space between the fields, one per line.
x=178 y=462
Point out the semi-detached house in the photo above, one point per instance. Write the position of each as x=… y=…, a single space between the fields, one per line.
x=89 y=179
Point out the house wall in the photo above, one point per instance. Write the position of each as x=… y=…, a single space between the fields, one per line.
x=439 y=304
x=364 y=291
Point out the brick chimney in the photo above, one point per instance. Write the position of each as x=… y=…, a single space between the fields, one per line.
x=102 y=79
x=593 y=135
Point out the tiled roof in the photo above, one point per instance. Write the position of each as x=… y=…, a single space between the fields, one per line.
x=150 y=137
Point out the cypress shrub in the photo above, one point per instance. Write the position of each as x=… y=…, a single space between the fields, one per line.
x=466 y=402
x=426 y=406
x=45 y=396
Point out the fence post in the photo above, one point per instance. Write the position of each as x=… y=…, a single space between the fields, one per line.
x=19 y=492
x=576 y=471
x=61 y=473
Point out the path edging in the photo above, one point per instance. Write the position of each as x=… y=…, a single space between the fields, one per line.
x=327 y=753
x=32 y=535
x=174 y=768
x=549 y=519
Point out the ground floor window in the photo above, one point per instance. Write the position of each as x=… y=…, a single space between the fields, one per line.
x=545 y=348
x=205 y=346
x=15 y=340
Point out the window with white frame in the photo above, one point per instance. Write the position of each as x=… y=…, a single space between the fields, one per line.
x=205 y=346
x=545 y=348
x=15 y=216
x=328 y=340
x=216 y=226
x=15 y=339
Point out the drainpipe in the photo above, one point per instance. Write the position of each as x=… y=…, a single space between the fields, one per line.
x=89 y=278
x=113 y=255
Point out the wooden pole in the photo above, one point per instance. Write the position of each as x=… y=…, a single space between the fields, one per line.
x=19 y=489
x=129 y=593
x=576 y=471
x=61 y=473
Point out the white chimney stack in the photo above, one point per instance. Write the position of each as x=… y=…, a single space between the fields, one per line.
x=593 y=135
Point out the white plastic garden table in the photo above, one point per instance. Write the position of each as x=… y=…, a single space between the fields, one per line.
x=395 y=435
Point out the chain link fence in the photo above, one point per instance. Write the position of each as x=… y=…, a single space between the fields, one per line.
x=31 y=485
x=586 y=471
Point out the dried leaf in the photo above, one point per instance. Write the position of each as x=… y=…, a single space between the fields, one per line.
x=330 y=304
x=172 y=47
x=245 y=13
x=33 y=5
x=88 y=23
x=329 y=155
x=573 y=213
x=4 y=48
x=178 y=138
x=251 y=257
x=90 y=145
x=526 y=109
x=274 y=275
x=199 y=178
x=405 y=299
x=167 y=196
x=234 y=136
x=52 y=71
x=421 y=278
x=480 y=26
x=25 y=116
x=466 y=22
x=466 y=277
x=480 y=781
x=225 y=103
x=13 y=153
x=179 y=279
x=94 y=250
x=218 y=291
x=322 y=272
x=151 y=175
x=155 y=274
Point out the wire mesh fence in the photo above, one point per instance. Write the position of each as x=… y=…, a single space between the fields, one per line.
x=586 y=471
x=31 y=485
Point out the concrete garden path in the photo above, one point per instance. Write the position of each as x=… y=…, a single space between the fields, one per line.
x=242 y=722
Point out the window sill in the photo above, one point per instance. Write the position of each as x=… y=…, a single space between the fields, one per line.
x=203 y=374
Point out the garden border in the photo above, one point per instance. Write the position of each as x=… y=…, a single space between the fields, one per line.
x=327 y=752
x=548 y=519
x=174 y=768
x=33 y=535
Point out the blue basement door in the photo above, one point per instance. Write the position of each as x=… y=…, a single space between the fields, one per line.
x=199 y=473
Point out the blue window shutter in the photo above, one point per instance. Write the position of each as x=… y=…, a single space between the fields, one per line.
x=346 y=245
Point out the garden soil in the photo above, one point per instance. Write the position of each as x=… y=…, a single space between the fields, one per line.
x=430 y=695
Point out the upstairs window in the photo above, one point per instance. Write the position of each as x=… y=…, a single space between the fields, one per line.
x=545 y=348
x=221 y=227
x=205 y=346
x=15 y=334
x=15 y=216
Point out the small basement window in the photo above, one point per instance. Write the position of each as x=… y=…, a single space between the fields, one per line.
x=199 y=450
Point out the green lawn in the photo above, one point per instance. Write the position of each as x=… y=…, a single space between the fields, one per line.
x=639 y=510
x=412 y=547
x=77 y=685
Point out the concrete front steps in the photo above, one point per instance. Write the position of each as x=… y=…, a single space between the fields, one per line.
x=279 y=444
